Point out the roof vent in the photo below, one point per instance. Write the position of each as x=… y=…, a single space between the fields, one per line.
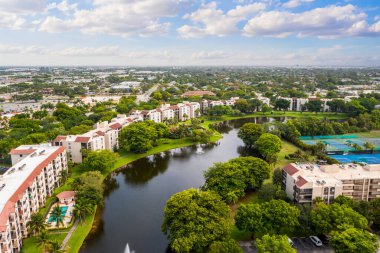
x=43 y=151
x=2 y=186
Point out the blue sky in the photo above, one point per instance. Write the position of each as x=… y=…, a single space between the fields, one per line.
x=190 y=32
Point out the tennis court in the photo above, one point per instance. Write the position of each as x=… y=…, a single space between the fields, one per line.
x=342 y=143
x=366 y=158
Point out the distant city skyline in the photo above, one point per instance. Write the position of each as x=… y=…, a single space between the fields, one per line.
x=189 y=33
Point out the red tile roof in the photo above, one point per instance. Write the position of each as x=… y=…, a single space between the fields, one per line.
x=290 y=169
x=22 y=151
x=116 y=126
x=174 y=107
x=66 y=194
x=82 y=139
x=301 y=181
x=129 y=120
x=100 y=133
x=10 y=205
x=59 y=138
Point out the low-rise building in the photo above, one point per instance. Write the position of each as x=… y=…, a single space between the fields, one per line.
x=305 y=182
x=35 y=173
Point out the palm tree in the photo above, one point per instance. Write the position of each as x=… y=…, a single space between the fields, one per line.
x=55 y=247
x=82 y=210
x=36 y=223
x=57 y=216
x=357 y=146
x=64 y=175
x=43 y=240
x=369 y=146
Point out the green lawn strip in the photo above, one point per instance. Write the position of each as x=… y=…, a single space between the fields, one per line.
x=77 y=238
x=30 y=244
x=327 y=115
x=371 y=134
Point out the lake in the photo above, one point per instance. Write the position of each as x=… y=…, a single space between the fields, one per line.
x=136 y=195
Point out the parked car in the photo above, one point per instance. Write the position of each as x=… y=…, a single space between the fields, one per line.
x=290 y=242
x=317 y=242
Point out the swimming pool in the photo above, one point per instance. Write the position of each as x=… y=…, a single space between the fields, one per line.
x=63 y=211
x=367 y=158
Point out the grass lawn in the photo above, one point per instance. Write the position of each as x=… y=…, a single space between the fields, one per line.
x=372 y=134
x=79 y=235
x=30 y=244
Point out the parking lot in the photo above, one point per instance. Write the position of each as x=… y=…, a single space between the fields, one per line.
x=303 y=245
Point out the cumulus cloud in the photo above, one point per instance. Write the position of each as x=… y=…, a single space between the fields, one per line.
x=209 y=20
x=328 y=22
x=295 y=3
x=117 y=17
x=13 y=13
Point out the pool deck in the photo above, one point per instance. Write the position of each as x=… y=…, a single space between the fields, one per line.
x=68 y=215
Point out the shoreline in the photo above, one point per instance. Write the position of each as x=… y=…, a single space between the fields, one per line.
x=85 y=229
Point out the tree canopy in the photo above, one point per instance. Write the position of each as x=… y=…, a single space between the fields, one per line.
x=273 y=217
x=269 y=145
x=353 y=240
x=99 y=160
x=194 y=219
x=250 y=133
x=233 y=178
x=274 y=244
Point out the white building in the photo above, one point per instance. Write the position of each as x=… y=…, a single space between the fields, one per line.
x=34 y=175
x=305 y=182
x=104 y=136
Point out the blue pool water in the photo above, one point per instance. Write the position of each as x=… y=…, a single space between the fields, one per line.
x=367 y=158
x=63 y=210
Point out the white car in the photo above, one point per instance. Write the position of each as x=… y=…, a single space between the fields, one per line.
x=317 y=242
x=290 y=242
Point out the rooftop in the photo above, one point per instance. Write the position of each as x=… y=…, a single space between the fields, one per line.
x=16 y=180
x=331 y=174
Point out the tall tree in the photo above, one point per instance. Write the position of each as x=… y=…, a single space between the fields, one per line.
x=193 y=220
x=36 y=224
x=269 y=145
x=99 y=160
x=273 y=244
x=314 y=105
x=353 y=240
x=282 y=104
x=250 y=133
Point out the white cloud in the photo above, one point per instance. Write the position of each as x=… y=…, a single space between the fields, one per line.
x=13 y=12
x=117 y=17
x=89 y=51
x=375 y=27
x=328 y=22
x=209 y=20
x=63 y=6
x=295 y=3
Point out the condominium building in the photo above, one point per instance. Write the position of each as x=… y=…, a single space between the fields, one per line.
x=299 y=104
x=211 y=103
x=305 y=182
x=35 y=173
x=104 y=136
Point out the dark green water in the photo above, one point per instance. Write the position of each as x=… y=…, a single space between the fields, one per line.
x=136 y=195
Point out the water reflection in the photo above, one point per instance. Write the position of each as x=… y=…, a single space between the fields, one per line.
x=136 y=195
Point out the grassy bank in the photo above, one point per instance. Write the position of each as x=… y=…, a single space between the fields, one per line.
x=84 y=229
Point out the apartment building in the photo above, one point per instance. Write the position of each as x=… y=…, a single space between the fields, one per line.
x=298 y=104
x=211 y=103
x=104 y=136
x=305 y=182
x=34 y=175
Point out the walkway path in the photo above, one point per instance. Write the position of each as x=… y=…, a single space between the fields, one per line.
x=68 y=236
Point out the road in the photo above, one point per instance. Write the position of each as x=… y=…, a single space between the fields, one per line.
x=146 y=96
